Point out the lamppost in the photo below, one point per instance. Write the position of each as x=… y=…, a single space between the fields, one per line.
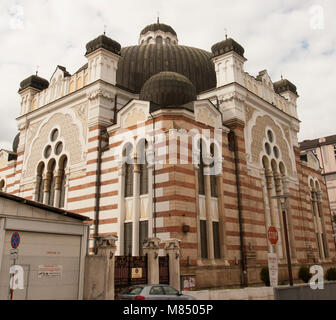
x=283 y=199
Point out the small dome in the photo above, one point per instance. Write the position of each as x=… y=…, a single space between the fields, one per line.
x=168 y=89
x=16 y=142
x=283 y=86
x=227 y=46
x=103 y=42
x=158 y=26
x=34 y=82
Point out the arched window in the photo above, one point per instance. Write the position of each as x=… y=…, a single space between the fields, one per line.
x=51 y=172
x=143 y=166
x=158 y=40
x=2 y=185
x=127 y=154
x=201 y=186
x=213 y=178
x=62 y=167
x=40 y=183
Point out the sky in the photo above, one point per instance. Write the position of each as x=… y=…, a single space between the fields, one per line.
x=293 y=38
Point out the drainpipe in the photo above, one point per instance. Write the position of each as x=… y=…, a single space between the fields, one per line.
x=154 y=197
x=234 y=147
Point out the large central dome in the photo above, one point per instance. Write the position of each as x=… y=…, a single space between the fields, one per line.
x=138 y=63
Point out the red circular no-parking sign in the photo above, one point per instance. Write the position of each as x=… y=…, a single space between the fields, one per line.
x=272 y=235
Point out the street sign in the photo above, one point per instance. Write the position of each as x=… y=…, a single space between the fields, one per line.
x=136 y=273
x=273 y=269
x=272 y=235
x=15 y=240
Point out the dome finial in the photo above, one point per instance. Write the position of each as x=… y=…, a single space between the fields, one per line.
x=37 y=69
x=225 y=31
x=158 y=17
x=105 y=27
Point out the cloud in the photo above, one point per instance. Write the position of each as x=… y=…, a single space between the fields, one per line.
x=280 y=35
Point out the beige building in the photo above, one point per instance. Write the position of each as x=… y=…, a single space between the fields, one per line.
x=325 y=150
x=50 y=254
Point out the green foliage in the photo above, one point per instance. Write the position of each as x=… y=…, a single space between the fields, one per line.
x=304 y=274
x=264 y=276
x=331 y=274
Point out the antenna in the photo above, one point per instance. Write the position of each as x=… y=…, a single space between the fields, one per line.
x=105 y=27
x=37 y=69
x=225 y=31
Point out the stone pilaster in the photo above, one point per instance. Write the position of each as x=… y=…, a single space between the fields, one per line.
x=172 y=248
x=98 y=267
x=151 y=248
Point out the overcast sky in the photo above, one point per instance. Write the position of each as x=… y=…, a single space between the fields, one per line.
x=295 y=38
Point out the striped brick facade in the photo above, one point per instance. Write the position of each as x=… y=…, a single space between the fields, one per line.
x=102 y=118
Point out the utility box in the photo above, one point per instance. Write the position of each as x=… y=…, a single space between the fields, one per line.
x=47 y=245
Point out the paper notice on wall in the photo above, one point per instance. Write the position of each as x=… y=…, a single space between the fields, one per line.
x=273 y=269
x=49 y=270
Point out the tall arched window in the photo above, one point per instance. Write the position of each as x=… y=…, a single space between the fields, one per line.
x=201 y=185
x=51 y=172
x=127 y=154
x=40 y=183
x=62 y=167
x=143 y=166
x=213 y=178
x=2 y=185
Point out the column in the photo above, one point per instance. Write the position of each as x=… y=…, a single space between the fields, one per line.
x=46 y=189
x=58 y=186
x=198 y=223
x=136 y=208
x=172 y=248
x=317 y=223
x=289 y=220
x=320 y=208
x=270 y=192
x=277 y=183
x=222 y=220
x=151 y=248
x=101 y=266
x=208 y=212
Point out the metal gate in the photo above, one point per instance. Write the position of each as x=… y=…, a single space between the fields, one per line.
x=129 y=271
x=164 y=269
